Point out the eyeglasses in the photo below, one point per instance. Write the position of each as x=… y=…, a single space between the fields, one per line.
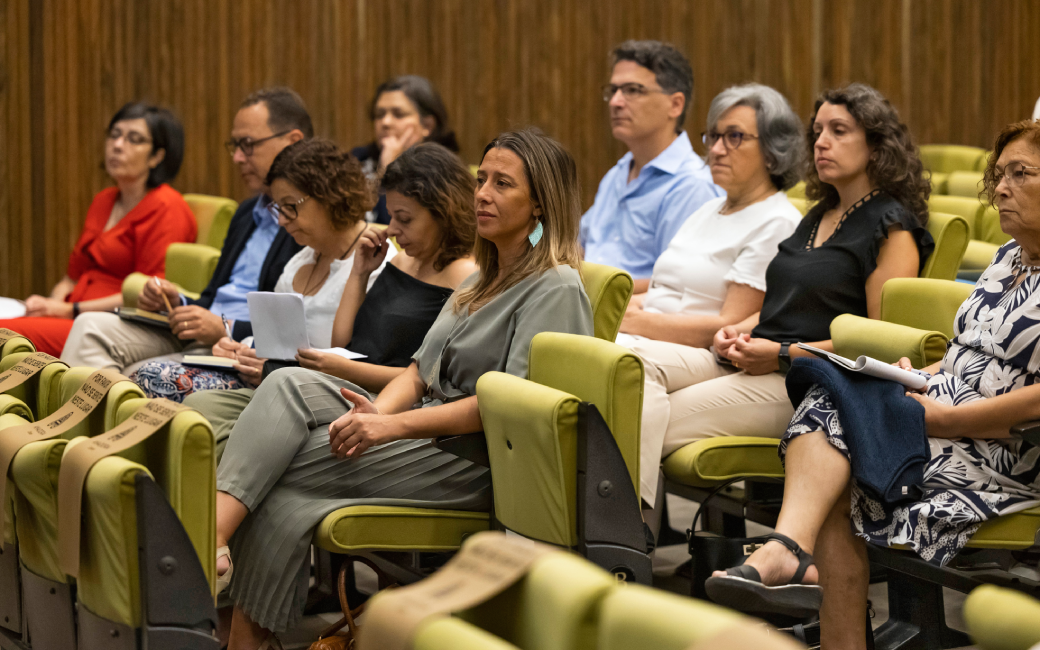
x=629 y=91
x=730 y=139
x=247 y=145
x=1015 y=174
x=133 y=137
x=290 y=210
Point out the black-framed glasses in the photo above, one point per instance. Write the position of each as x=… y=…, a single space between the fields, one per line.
x=248 y=144
x=290 y=210
x=133 y=137
x=1015 y=173
x=629 y=91
x=730 y=139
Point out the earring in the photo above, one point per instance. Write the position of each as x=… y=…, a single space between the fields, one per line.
x=536 y=234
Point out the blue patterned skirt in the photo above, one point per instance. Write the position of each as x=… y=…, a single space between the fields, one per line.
x=175 y=381
x=966 y=482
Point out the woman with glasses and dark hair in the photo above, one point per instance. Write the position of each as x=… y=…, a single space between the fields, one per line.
x=866 y=227
x=127 y=228
x=405 y=111
x=713 y=272
x=320 y=197
x=957 y=428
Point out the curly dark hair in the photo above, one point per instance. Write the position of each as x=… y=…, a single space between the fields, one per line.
x=436 y=179
x=894 y=167
x=990 y=179
x=327 y=174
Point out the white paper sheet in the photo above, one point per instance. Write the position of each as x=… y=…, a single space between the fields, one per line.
x=279 y=324
x=11 y=308
x=346 y=354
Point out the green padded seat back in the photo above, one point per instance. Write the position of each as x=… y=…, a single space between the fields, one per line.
x=797 y=191
x=978 y=255
x=600 y=372
x=14 y=406
x=951 y=238
x=964 y=183
x=640 y=618
x=923 y=303
x=947 y=158
x=801 y=204
x=1002 y=619
x=17 y=344
x=451 y=633
x=854 y=336
x=190 y=266
x=181 y=457
x=10 y=419
x=970 y=209
x=213 y=216
x=989 y=228
x=939 y=182
x=531 y=433
x=609 y=290
x=554 y=607
x=38 y=392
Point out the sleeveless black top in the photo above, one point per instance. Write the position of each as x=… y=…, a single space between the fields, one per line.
x=806 y=288
x=393 y=320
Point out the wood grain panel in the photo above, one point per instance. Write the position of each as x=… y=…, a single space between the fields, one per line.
x=957 y=69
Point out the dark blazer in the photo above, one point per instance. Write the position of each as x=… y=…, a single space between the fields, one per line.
x=239 y=231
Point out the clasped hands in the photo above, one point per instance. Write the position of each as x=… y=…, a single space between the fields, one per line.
x=753 y=356
x=362 y=427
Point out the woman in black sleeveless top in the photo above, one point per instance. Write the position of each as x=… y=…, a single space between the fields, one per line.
x=867 y=227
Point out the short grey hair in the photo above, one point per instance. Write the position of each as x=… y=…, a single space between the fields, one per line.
x=780 y=133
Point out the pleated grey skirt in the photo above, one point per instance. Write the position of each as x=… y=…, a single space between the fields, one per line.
x=279 y=464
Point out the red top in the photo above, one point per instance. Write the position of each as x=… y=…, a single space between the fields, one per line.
x=102 y=259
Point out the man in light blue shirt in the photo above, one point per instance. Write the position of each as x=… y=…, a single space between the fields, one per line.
x=646 y=197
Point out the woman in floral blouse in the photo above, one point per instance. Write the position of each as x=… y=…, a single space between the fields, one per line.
x=986 y=383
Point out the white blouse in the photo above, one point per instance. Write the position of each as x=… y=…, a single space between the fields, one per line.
x=712 y=250
x=321 y=307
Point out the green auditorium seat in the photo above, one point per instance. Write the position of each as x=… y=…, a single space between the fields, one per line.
x=213 y=216
x=1002 y=619
x=16 y=344
x=948 y=158
x=964 y=183
x=33 y=490
x=951 y=235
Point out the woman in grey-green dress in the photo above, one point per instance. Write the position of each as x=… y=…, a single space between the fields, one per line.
x=309 y=443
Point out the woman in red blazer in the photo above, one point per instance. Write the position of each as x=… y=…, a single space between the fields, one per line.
x=127 y=229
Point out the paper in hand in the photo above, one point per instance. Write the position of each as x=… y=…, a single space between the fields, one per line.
x=279 y=324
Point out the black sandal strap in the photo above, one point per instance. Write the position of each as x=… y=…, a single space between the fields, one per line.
x=745 y=571
x=804 y=559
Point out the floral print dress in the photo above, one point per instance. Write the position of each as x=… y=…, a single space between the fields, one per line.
x=995 y=350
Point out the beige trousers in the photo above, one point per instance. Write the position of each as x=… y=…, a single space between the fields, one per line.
x=104 y=340
x=688 y=397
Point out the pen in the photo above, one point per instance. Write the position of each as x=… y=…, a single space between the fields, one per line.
x=227 y=326
x=169 y=309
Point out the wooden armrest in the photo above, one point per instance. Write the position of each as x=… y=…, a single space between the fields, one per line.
x=471 y=446
x=1028 y=431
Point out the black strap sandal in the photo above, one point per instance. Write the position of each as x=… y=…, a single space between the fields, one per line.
x=742 y=589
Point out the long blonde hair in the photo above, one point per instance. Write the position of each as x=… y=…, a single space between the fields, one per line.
x=553 y=181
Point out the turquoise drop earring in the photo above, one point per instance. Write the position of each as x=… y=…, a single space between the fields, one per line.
x=536 y=234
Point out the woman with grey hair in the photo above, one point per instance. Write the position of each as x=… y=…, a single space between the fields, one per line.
x=712 y=274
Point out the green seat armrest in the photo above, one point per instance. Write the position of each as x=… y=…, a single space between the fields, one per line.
x=17 y=344
x=978 y=255
x=1002 y=619
x=134 y=283
x=531 y=431
x=609 y=290
x=951 y=234
x=191 y=266
x=854 y=336
x=706 y=463
x=14 y=406
x=923 y=303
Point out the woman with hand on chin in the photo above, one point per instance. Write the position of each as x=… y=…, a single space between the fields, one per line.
x=320 y=197
x=713 y=272
x=127 y=229
x=430 y=195
x=866 y=227
x=987 y=382
x=310 y=443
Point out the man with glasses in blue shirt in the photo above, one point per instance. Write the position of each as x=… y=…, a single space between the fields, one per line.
x=644 y=199
x=254 y=253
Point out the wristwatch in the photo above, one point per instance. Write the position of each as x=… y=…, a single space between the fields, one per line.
x=784 y=356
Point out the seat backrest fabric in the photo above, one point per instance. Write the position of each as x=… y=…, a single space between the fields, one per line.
x=190 y=266
x=554 y=607
x=950 y=233
x=451 y=633
x=40 y=392
x=964 y=183
x=989 y=228
x=923 y=303
x=602 y=373
x=970 y=209
x=947 y=158
x=213 y=216
x=17 y=344
x=609 y=290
